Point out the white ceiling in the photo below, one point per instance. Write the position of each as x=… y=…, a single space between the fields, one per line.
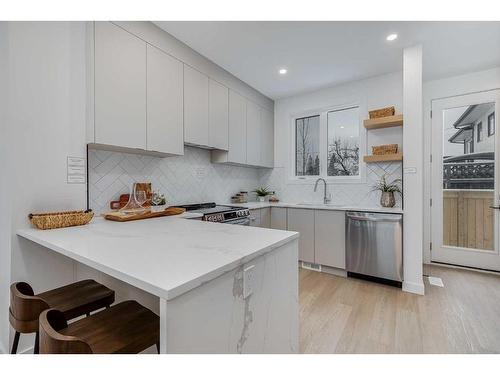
x=319 y=54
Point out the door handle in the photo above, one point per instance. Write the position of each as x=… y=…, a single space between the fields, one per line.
x=495 y=207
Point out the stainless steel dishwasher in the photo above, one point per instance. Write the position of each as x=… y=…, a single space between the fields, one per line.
x=374 y=245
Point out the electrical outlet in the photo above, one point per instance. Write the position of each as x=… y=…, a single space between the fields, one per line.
x=248 y=281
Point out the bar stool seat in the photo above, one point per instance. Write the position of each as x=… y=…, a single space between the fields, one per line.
x=79 y=298
x=73 y=300
x=125 y=328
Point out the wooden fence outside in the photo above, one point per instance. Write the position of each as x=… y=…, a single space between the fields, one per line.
x=468 y=219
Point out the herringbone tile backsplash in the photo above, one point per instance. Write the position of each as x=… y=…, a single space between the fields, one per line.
x=349 y=194
x=192 y=178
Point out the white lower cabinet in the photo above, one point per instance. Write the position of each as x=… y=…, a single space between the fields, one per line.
x=322 y=234
x=255 y=218
x=265 y=217
x=260 y=217
x=302 y=221
x=278 y=218
x=329 y=238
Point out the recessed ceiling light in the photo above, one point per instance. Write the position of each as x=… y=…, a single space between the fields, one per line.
x=283 y=71
x=392 y=37
x=341 y=127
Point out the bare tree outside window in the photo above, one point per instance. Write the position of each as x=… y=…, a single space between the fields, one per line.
x=307 y=161
x=343 y=142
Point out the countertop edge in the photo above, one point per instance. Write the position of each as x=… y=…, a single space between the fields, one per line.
x=319 y=206
x=24 y=233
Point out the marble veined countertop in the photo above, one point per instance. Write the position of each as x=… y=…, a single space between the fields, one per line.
x=165 y=256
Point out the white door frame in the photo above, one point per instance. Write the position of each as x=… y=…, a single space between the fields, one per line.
x=477 y=258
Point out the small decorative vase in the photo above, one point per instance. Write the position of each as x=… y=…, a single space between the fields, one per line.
x=261 y=199
x=387 y=199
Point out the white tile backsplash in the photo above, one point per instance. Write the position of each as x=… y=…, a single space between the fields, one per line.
x=349 y=194
x=190 y=178
x=193 y=178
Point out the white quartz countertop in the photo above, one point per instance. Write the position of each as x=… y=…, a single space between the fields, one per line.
x=165 y=256
x=318 y=206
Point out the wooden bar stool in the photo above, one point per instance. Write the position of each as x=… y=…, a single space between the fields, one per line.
x=125 y=328
x=73 y=300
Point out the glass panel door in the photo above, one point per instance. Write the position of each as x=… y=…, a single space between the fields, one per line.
x=468 y=177
x=464 y=181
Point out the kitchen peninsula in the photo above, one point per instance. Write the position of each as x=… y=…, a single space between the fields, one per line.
x=219 y=288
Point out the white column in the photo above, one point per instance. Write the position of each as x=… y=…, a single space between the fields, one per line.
x=413 y=202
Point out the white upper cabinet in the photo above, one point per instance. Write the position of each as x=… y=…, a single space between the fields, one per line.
x=120 y=87
x=195 y=107
x=237 y=152
x=218 y=115
x=253 y=134
x=164 y=103
x=145 y=99
x=267 y=138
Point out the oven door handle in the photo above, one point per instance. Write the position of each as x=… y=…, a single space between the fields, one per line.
x=238 y=221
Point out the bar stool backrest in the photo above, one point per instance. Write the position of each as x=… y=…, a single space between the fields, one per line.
x=25 y=308
x=53 y=342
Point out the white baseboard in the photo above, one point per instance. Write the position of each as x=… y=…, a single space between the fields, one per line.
x=334 y=271
x=415 y=288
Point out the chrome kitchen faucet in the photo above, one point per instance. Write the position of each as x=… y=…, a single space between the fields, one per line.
x=326 y=199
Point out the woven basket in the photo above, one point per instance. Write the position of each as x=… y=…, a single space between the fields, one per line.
x=53 y=220
x=382 y=112
x=385 y=149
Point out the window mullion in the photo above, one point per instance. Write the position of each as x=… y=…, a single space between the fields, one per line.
x=323 y=145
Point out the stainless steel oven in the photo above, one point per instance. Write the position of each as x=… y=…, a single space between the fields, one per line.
x=221 y=213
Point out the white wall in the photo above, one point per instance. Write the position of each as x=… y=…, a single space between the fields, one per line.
x=432 y=90
x=47 y=117
x=413 y=170
x=5 y=218
x=377 y=92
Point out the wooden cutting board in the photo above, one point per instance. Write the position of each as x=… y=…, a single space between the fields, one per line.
x=123 y=217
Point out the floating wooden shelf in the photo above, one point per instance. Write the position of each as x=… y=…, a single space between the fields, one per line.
x=382 y=158
x=383 y=122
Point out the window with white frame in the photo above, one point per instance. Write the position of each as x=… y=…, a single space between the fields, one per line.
x=343 y=142
x=307 y=146
x=327 y=144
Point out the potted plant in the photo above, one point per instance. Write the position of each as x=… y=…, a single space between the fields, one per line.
x=262 y=193
x=158 y=202
x=387 y=198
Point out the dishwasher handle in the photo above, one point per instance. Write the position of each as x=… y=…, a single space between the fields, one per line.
x=373 y=217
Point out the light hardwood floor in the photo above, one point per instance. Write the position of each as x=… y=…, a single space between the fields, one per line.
x=345 y=315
